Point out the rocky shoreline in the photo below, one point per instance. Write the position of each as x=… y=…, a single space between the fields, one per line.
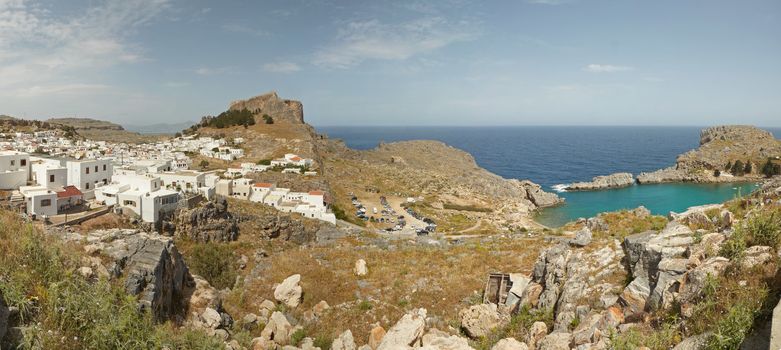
x=616 y=180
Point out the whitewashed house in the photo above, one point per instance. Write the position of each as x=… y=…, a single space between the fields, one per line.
x=14 y=169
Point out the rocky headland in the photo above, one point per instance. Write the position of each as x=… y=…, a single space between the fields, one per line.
x=603 y=182
x=721 y=147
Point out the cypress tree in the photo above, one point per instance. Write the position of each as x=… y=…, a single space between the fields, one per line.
x=748 y=169
x=737 y=168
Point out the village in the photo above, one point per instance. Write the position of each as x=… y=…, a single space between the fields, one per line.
x=58 y=180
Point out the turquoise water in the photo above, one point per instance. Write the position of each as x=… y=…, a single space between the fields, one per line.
x=660 y=199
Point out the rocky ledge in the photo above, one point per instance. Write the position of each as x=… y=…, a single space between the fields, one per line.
x=603 y=182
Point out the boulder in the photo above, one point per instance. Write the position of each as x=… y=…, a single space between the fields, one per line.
x=694 y=283
x=289 y=292
x=775 y=328
x=375 y=337
x=209 y=222
x=360 y=268
x=726 y=218
x=478 y=320
x=153 y=268
x=278 y=329
x=320 y=308
x=249 y=322
x=756 y=256
x=405 y=332
x=436 y=340
x=555 y=341
x=509 y=344
x=211 y=318
x=696 y=342
x=597 y=224
x=582 y=237
x=531 y=295
x=537 y=331
x=344 y=341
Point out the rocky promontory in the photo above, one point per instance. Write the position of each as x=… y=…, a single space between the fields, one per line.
x=603 y=182
x=727 y=153
x=288 y=111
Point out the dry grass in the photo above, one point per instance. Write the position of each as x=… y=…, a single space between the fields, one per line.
x=402 y=277
x=624 y=223
x=103 y=222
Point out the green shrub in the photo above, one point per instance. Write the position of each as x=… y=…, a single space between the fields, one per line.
x=297 y=337
x=734 y=248
x=764 y=228
x=732 y=329
x=214 y=262
x=364 y=305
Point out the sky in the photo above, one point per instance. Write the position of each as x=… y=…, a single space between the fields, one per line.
x=448 y=62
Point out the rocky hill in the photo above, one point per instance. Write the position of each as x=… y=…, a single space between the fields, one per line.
x=102 y=130
x=281 y=110
x=720 y=147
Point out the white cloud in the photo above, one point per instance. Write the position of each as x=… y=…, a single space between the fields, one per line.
x=606 y=68
x=66 y=89
x=41 y=53
x=244 y=29
x=281 y=67
x=359 y=41
x=212 y=70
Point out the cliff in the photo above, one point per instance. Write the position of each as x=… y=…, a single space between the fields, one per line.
x=86 y=124
x=281 y=110
x=721 y=146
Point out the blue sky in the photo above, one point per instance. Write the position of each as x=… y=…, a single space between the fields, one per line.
x=451 y=62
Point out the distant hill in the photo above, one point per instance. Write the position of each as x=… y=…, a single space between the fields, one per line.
x=159 y=128
x=102 y=130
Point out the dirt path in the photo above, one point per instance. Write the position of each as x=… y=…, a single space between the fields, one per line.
x=473 y=228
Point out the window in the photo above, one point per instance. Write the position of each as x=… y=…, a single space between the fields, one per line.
x=23 y=162
x=46 y=202
x=51 y=178
x=86 y=185
x=96 y=168
x=104 y=167
x=130 y=203
x=87 y=169
x=105 y=182
x=13 y=162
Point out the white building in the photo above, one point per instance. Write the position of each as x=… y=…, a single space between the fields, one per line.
x=49 y=173
x=39 y=200
x=143 y=194
x=87 y=174
x=14 y=169
x=184 y=181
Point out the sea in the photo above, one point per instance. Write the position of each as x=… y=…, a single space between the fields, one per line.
x=553 y=156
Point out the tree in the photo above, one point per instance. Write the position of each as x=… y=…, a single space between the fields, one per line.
x=203 y=164
x=771 y=169
x=267 y=118
x=738 y=168
x=748 y=169
x=716 y=173
x=178 y=135
x=729 y=166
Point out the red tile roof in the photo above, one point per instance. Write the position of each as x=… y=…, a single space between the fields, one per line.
x=316 y=193
x=264 y=184
x=296 y=159
x=69 y=191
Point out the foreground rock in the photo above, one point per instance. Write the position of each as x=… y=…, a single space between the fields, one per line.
x=210 y=222
x=603 y=182
x=289 y=292
x=151 y=265
x=479 y=320
x=406 y=332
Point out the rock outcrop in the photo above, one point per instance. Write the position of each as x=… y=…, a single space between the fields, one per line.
x=603 y=182
x=281 y=110
x=209 y=222
x=150 y=265
x=479 y=320
x=406 y=332
x=289 y=292
x=719 y=146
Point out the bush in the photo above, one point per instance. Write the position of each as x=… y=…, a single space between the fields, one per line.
x=231 y=118
x=214 y=262
x=737 y=168
x=732 y=329
x=764 y=228
x=267 y=119
x=734 y=248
